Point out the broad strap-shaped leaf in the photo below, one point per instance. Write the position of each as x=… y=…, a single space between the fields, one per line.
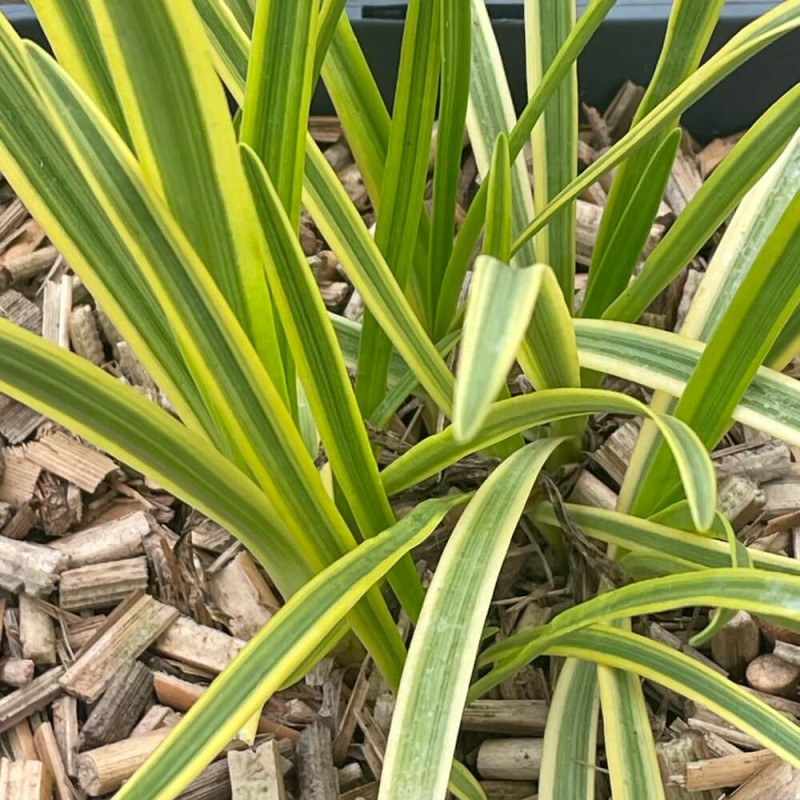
x=628 y=737
x=436 y=677
x=73 y=35
x=249 y=412
x=509 y=417
x=329 y=15
x=229 y=44
x=612 y=271
x=456 y=52
x=490 y=113
x=753 y=38
x=686 y=676
x=343 y=228
x=665 y=361
x=470 y=231
x=626 y=220
x=497 y=239
x=548 y=23
x=169 y=91
x=278 y=94
x=118 y=419
x=244 y=13
x=35 y=161
x=755 y=590
x=648 y=537
x=765 y=300
x=750 y=157
x=403 y=184
x=271 y=657
x=501 y=301
x=322 y=370
x=570 y=738
x=550 y=353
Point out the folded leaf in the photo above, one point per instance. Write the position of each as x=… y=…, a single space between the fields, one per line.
x=499 y=309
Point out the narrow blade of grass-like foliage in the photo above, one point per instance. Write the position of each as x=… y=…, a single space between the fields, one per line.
x=35 y=161
x=244 y=13
x=649 y=537
x=570 y=737
x=470 y=232
x=490 y=113
x=456 y=52
x=119 y=420
x=229 y=45
x=324 y=375
x=73 y=35
x=403 y=186
x=509 y=417
x=613 y=270
x=753 y=38
x=329 y=15
x=613 y=259
x=741 y=339
x=436 y=677
x=497 y=239
x=755 y=590
x=343 y=228
x=501 y=301
x=274 y=654
x=548 y=23
x=169 y=92
x=666 y=361
x=688 y=677
x=250 y=414
x=278 y=94
x=628 y=737
x=740 y=557
x=754 y=222
x=710 y=207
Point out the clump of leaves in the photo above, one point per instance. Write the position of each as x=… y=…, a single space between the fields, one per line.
x=184 y=228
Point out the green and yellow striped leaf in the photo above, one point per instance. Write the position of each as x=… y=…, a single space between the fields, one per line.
x=34 y=159
x=343 y=228
x=73 y=35
x=709 y=208
x=436 y=678
x=612 y=271
x=456 y=52
x=615 y=253
x=628 y=737
x=324 y=375
x=115 y=417
x=665 y=361
x=497 y=239
x=569 y=750
x=470 y=231
x=490 y=113
x=650 y=538
x=271 y=657
x=499 y=309
x=257 y=426
x=745 y=329
x=278 y=94
x=548 y=23
x=753 y=38
x=686 y=676
x=509 y=417
x=184 y=139
x=403 y=186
